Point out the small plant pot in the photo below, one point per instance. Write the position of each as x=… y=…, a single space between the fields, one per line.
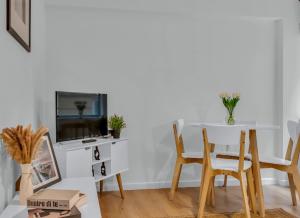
x=116 y=133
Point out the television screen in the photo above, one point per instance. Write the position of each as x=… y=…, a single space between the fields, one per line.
x=80 y=115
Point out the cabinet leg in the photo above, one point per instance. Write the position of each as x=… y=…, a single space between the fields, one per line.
x=101 y=187
x=119 y=179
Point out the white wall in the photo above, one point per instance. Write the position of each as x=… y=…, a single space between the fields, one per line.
x=17 y=85
x=144 y=51
x=161 y=60
x=38 y=56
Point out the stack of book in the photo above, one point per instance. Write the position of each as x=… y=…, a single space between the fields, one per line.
x=53 y=203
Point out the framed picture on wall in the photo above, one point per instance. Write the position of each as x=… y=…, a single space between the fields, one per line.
x=45 y=171
x=19 y=21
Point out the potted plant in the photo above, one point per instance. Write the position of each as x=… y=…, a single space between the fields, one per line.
x=230 y=102
x=116 y=124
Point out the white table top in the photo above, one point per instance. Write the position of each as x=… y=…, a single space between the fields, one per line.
x=247 y=126
x=85 y=185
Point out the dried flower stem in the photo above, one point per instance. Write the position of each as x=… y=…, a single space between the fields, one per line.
x=22 y=143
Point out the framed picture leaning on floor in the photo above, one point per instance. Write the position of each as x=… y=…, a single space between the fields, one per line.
x=19 y=21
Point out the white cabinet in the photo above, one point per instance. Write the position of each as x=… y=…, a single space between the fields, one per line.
x=79 y=163
x=76 y=159
x=119 y=156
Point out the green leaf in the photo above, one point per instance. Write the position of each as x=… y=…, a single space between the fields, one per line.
x=116 y=122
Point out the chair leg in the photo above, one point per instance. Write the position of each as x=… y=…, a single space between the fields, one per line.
x=292 y=189
x=296 y=177
x=245 y=196
x=211 y=195
x=176 y=177
x=225 y=181
x=251 y=190
x=202 y=180
x=177 y=181
x=248 y=193
x=208 y=198
x=203 y=193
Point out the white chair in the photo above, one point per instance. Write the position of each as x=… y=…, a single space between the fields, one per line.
x=290 y=163
x=212 y=166
x=182 y=156
x=234 y=154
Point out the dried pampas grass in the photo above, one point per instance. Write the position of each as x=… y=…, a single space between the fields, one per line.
x=22 y=143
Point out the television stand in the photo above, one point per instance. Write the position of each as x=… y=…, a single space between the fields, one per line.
x=76 y=159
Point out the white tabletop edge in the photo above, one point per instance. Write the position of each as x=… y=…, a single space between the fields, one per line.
x=247 y=126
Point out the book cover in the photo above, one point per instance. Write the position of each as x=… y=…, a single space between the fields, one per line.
x=53 y=199
x=44 y=213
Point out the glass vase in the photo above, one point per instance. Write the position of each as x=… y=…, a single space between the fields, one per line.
x=230 y=119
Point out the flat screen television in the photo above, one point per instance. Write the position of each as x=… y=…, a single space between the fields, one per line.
x=80 y=115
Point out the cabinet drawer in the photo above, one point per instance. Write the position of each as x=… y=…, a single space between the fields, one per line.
x=79 y=163
x=119 y=156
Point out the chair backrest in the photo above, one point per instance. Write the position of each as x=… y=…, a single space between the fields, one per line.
x=224 y=135
x=292 y=129
x=294 y=145
x=177 y=129
x=249 y=124
x=179 y=126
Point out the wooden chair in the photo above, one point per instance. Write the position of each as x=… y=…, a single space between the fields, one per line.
x=182 y=157
x=212 y=166
x=290 y=163
x=233 y=154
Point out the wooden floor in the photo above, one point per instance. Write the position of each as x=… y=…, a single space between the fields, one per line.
x=155 y=203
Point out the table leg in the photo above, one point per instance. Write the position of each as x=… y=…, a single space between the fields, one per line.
x=119 y=179
x=256 y=172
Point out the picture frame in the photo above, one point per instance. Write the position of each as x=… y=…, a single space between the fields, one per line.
x=45 y=170
x=19 y=21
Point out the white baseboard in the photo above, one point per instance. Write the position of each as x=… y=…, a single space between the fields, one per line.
x=184 y=183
